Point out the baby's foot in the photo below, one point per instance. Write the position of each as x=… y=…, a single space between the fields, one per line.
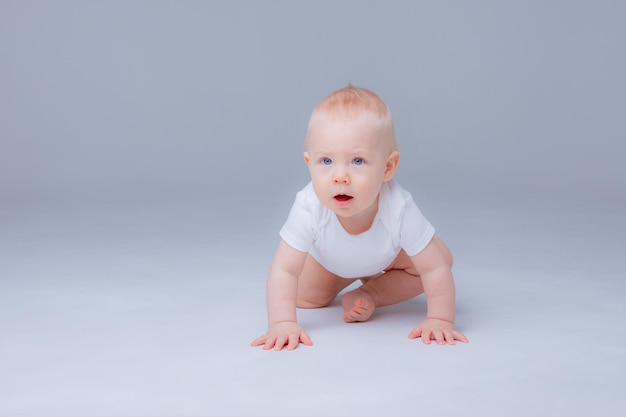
x=358 y=306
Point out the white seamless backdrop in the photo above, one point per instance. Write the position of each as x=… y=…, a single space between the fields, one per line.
x=150 y=151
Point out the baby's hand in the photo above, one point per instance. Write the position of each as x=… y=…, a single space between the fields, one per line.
x=440 y=330
x=286 y=334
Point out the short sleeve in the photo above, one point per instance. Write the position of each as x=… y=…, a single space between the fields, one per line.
x=416 y=232
x=298 y=231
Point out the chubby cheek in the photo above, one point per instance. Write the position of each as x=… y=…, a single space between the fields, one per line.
x=317 y=175
x=319 y=172
x=321 y=177
x=367 y=181
x=321 y=188
x=369 y=191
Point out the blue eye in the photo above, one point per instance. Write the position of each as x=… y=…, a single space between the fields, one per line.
x=358 y=161
x=327 y=161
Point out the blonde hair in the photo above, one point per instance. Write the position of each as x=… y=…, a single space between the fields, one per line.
x=354 y=104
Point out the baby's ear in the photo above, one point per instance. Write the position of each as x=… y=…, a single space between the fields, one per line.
x=306 y=158
x=392 y=164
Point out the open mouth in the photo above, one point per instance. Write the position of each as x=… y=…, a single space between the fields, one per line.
x=343 y=197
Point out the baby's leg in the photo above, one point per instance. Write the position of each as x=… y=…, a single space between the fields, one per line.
x=400 y=283
x=317 y=287
x=392 y=287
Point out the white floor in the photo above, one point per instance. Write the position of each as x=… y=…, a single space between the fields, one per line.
x=149 y=311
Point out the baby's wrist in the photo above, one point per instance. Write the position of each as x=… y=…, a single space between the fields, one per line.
x=280 y=322
x=440 y=319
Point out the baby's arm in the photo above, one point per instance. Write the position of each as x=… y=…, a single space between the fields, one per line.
x=282 y=290
x=436 y=275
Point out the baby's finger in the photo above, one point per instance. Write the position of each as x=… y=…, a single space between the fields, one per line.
x=460 y=336
x=449 y=336
x=281 y=341
x=269 y=342
x=258 y=341
x=438 y=336
x=426 y=336
x=305 y=339
x=415 y=333
x=293 y=342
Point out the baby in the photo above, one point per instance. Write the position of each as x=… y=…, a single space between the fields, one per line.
x=353 y=222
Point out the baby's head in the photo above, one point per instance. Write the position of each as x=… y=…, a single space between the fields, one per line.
x=355 y=105
x=351 y=150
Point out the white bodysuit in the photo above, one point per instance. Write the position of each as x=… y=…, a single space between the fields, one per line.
x=399 y=224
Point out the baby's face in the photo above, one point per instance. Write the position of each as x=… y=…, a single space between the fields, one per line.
x=348 y=162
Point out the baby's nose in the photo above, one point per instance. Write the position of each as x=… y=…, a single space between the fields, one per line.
x=341 y=178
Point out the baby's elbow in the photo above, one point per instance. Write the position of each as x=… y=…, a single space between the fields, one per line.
x=445 y=251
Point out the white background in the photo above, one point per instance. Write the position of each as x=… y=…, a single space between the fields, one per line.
x=150 y=151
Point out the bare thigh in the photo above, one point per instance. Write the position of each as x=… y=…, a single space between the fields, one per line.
x=403 y=261
x=318 y=287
